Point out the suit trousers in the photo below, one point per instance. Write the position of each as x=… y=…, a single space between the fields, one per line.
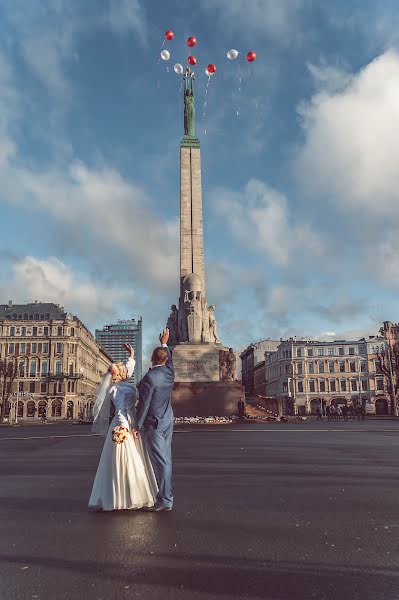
x=158 y=443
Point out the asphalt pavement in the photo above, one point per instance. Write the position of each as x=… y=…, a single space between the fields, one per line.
x=277 y=511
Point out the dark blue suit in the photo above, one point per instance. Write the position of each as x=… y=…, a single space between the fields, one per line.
x=154 y=420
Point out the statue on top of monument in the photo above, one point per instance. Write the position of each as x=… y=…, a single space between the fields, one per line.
x=189 y=109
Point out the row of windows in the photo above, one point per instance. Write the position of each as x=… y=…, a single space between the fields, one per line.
x=24 y=331
x=33 y=369
x=45 y=388
x=38 y=347
x=331 y=385
x=329 y=367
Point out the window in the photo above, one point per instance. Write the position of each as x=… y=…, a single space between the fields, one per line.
x=34 y=347
x=21 y=386
x=12 y=331
x=299 y=352
x=299 y=368
x=69 y=387
x=21 y=369
x=59 y=330
x=285 y=386
x=287 y=369
x=11 y=348
x=32 y=387
x=310 y=351
x=331 y=366
x=73 y=387
x=330 y=351
x=71 y=368
x=71 y=348
x=72 y=331
x=352 y=366
x=333 y=385
x=32 y=368
x=322 y=385
x=58 y=348
x=44 y=367
x=22 y=348
x=321 y=366
x=310 y=367
x=45 y=331
x=365 y=385
x=23 y=331
x=43 y=387
x=311 y=385
x=45 y=348
x=58 y=368
x=351 y=351
x=300 y=386
x=342 y=366
x=341 y=351
x=343 y=385
x=34 y=331
x=377 y=367
x=320 y=351
x=363 y=366
x=380 y=385
x=55 y=387
x=354 y=385
x=59 y=387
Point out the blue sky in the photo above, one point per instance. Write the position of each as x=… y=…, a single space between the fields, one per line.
x=300 y=188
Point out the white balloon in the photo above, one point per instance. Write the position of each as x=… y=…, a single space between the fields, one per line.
x=232 y=54
x=208 y=73
x=165 y=55
x=178 y=69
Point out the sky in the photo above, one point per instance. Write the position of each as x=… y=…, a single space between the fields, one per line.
x=300 y=167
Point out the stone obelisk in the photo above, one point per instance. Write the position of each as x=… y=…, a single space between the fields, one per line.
x=205 y=369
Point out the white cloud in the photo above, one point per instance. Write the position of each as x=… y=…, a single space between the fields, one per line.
x=260 y=219
x=125 y=16
x=51 y=280
x=278 y=19
x=350 y=148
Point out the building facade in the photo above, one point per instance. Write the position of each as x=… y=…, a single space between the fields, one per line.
x=58 y=361
x=112 y=337
x=314 y=374
x=250 y=358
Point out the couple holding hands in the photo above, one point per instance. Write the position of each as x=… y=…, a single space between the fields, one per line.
x=135 y=468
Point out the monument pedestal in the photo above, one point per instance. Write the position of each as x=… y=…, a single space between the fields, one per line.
x=202 y=387
x=206 y=399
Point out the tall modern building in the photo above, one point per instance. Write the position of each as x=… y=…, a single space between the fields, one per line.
x=112 y=337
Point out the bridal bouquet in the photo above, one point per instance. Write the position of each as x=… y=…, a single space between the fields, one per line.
x=120 y=434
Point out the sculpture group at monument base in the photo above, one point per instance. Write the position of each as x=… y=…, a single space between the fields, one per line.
x=206 y=398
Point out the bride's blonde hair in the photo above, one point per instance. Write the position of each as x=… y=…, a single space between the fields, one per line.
x=118 y=372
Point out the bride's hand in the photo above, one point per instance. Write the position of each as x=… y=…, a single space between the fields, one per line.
x=130 y=349
x=135 y=433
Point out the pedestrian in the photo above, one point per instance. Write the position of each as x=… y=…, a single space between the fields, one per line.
x=362 y=412
x=328 y=413
x=333 y=413
x=345 y=412
x=352 y=412
x=319 y=414
x=339 y=413
x=359 y=412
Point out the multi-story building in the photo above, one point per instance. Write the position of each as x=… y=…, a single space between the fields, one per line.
x=250 y=358
x=314 y=373
x=259 y=379
x=112 y=337
x=58 y=361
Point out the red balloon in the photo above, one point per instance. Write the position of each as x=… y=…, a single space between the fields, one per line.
x=192 y=60
x=211 y=68
x=169 y=35
x=251 y=56
x=192 y=41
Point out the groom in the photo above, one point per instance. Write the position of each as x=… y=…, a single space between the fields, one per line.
x=154 y=420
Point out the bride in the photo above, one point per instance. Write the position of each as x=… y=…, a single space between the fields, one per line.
x=125 y=478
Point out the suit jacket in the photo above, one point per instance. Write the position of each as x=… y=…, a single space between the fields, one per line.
x=155 y=394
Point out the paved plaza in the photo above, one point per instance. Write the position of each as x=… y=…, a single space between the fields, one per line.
x=277 y=512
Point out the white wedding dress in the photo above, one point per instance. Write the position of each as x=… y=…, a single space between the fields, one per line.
x=125 y=478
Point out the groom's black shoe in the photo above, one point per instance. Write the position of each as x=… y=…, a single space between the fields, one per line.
x=158 y=507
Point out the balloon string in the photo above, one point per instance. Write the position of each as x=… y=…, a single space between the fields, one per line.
x=206 y=96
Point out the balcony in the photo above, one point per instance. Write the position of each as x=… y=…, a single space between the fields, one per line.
x=64 y=375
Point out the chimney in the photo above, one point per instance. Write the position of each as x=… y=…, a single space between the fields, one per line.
x=10 y=304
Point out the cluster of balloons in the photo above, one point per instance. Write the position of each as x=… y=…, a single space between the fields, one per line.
x=232 y=55
x=191 y=60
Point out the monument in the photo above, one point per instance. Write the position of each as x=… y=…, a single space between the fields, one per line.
x=205 y=369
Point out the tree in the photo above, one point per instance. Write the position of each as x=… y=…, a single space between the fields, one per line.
x=388 y=361
x=8 y=372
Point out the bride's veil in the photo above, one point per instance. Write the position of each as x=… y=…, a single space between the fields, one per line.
x=101 y=406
